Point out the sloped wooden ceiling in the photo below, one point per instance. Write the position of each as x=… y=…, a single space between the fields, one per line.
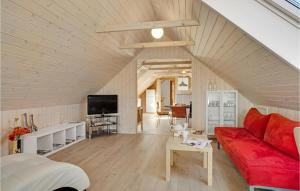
x=146 y=77
x=260 y=75
x=51 y=53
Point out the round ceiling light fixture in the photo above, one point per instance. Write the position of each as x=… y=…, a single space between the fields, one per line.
x=157 y=33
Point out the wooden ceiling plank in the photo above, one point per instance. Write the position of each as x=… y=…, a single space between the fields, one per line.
x=213 y=16
x=196 y=13
x=202 y=20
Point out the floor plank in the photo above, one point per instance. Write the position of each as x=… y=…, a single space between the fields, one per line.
x=137 y=162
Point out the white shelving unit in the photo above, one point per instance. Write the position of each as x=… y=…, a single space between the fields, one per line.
x=47 y=141
x=221 y=109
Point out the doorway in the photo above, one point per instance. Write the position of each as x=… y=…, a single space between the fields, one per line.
x=158 y=91
x=150 y=101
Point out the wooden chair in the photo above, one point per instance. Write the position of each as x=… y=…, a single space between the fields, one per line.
x=178 y=112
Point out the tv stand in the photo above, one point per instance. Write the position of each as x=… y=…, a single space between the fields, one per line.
x=102 y=124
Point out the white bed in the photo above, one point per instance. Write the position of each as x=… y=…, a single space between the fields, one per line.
x=29 y=172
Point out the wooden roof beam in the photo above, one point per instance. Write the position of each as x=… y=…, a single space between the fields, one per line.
x=146 y=25
x=166 y=61
x=157 y=44
x=187 y=73
x=171 y=68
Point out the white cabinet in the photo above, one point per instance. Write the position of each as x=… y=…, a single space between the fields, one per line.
x=221 y=109
x=47 y=141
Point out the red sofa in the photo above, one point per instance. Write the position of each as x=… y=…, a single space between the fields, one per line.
x=264 y=151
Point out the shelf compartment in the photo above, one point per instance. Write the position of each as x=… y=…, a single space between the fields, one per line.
x=44 y=144
x=80 y=132
x=59 y=139
x=70 y=135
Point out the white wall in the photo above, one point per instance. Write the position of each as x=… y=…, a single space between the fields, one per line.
x=201 y=75
x=291 y=114
x=43 y=117
x=183 y=98
x=124 y=84
x=200 y=78
x=125 y=81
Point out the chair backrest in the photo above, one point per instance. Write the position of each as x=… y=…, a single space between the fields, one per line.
x=179 y=111
x=297 y=137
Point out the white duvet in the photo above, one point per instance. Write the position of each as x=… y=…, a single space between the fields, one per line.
x=29 y=172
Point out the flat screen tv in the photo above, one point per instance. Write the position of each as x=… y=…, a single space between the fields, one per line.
x=102 y=104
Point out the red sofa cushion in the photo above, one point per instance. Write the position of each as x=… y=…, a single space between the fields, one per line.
x=231 y=132
x=256 y=123
x=261 y=164
x=280 y=134
x=226 y=135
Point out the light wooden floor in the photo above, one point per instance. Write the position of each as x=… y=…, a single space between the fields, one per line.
x=152 y=126
x=137 y=162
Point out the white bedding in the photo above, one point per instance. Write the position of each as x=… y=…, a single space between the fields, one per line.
x=29 y=172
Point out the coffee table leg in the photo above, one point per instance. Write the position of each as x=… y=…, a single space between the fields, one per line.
x=204 y=159
x=90 y=132
x=209 y=168
x=168 y=153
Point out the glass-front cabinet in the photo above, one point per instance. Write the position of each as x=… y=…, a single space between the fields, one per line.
x=221 y=110
x=213 y=111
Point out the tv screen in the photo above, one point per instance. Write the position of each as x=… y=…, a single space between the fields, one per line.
x=102 y=104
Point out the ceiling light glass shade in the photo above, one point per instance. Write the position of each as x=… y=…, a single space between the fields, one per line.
x=157 y=33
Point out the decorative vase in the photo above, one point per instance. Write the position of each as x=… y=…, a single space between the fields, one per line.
x=16 y=146
x=19 y=145
x=24 y=122
x=32 y=126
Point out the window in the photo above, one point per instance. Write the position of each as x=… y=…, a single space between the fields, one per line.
x=289 y=10
x=296 y=3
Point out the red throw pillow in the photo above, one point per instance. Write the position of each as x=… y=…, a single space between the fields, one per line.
x=256 y=123
x=280 y=134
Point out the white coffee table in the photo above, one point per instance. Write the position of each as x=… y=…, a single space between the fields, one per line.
x=175 y=144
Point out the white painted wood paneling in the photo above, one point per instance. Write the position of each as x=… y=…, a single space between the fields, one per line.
x=273 y=31
x=43 y=117
x=201 y=75
x=254 y=70
x=124 y=84
x=291 y=114
x=183 y=98
x=51 y=54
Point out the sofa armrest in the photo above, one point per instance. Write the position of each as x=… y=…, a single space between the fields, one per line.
x=297 y=137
